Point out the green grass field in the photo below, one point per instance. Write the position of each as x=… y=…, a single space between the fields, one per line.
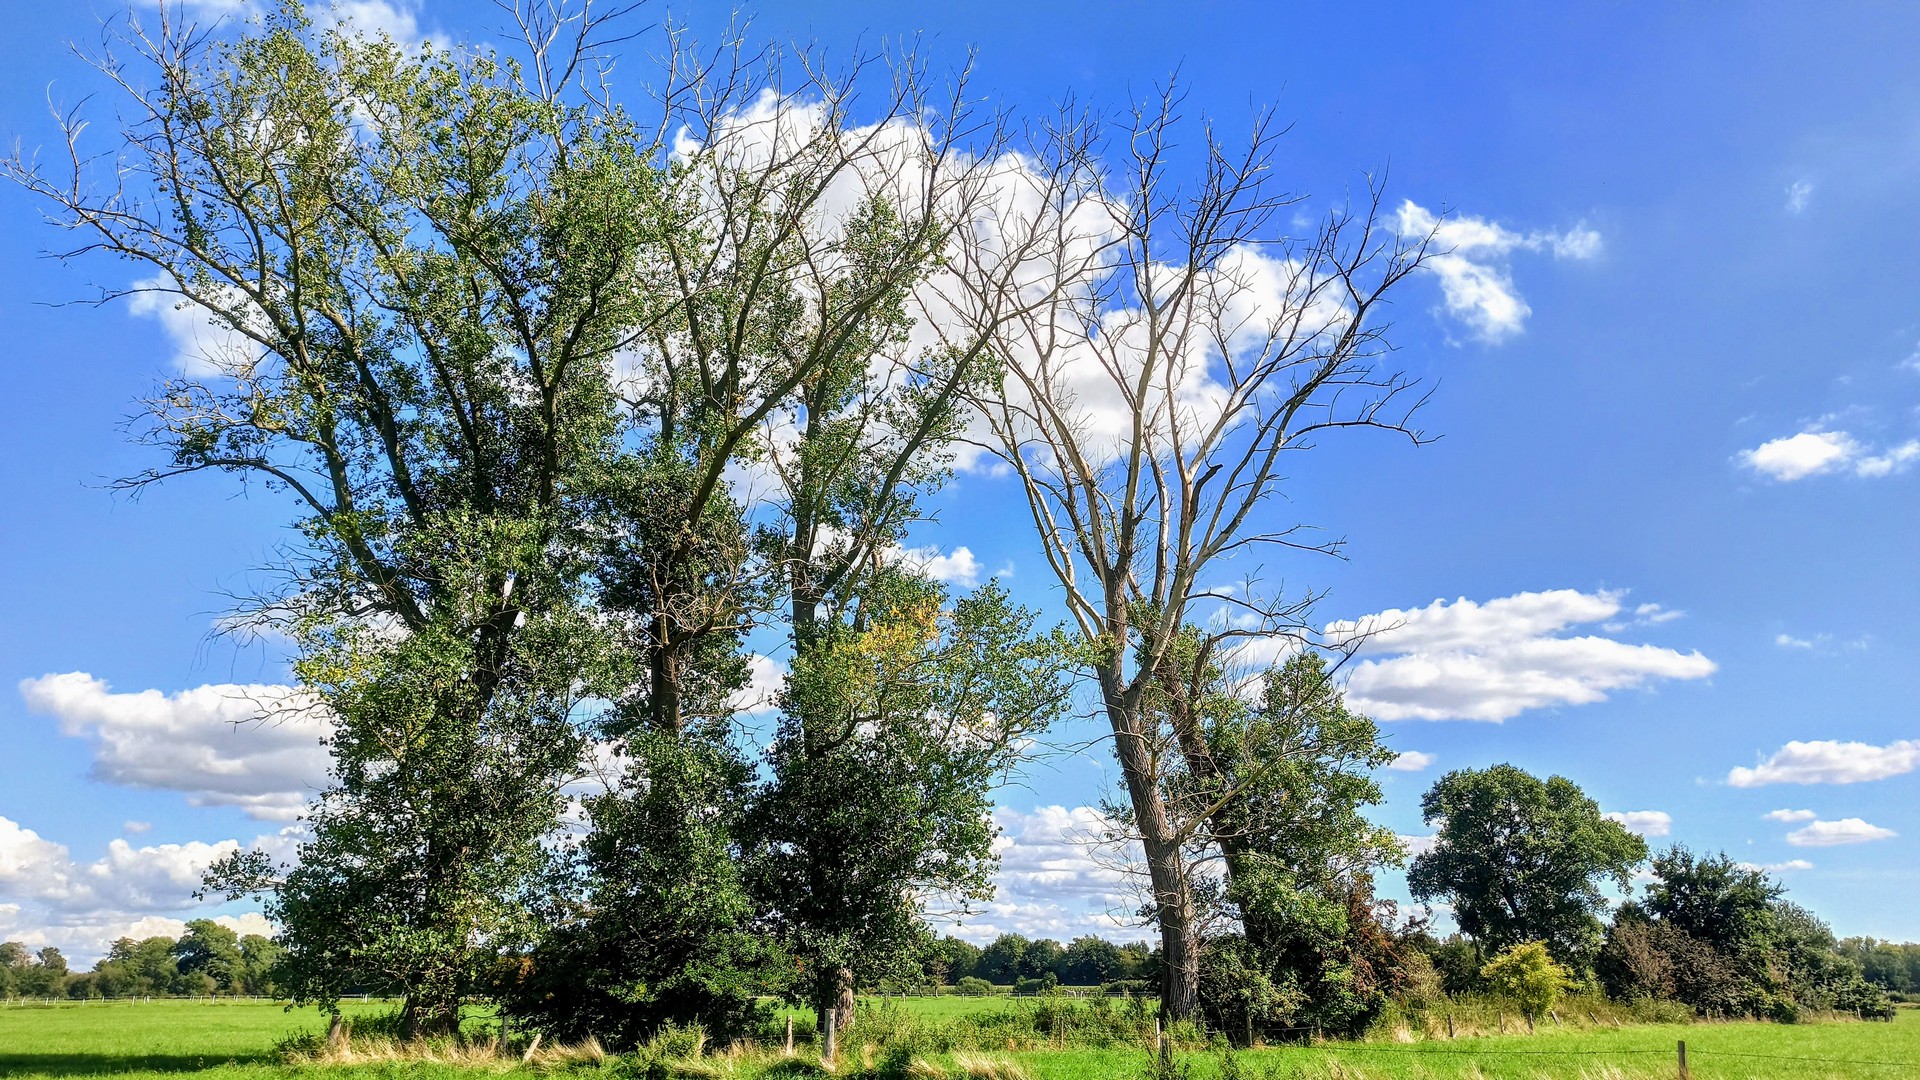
x=235 y=1041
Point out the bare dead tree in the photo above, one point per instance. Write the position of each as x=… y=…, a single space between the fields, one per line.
x=1186 y=349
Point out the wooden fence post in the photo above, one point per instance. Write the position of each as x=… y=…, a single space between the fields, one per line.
x=789 y=1034
x=1449 y=1023
x=1683 y=1059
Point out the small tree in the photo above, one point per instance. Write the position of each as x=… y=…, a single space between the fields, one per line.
x=898 y=718
x=1527 y=976
x=1523 y=859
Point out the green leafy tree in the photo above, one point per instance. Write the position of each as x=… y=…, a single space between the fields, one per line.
x=213 y=951
x=663 y=930
x=422 y=263
x=45 y=976
x=1719 y=937
x=13 y=956
x=1042 y=958
x=1522 y=860
x=1001 y=960
x=1275 y=791
x=260 y=956
x=1728 y=905
x=950 y=959
x=1090 y=961
x=898 y=719
x=1890 y=965
x=1527 y=975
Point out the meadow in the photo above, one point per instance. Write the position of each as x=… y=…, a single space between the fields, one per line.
x=237 y=1041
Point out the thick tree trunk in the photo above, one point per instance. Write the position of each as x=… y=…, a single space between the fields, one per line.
x=428 y=1015
x=1179 y=936
x=664 y=679
x=843 y=1003
x=1166 y=864
x=833 y=1008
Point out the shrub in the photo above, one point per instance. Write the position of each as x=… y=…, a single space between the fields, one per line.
x=973 y=987
x=1864 y=1000
x=1045 y=984
x=1526 y=975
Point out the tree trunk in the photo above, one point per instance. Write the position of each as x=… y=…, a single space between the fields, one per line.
x=664 y=680
x=1179 y=945
x=426 y=1015
x=833 y=1008
x=843 y=1003
x=1166 y=866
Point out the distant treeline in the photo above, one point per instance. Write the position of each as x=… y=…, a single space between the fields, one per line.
x=1885 y=964
x=1016 y=961
x=207 y=960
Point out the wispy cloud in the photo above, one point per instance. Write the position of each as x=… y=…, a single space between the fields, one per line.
x=1471 y=258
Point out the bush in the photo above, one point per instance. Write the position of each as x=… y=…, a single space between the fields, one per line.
x=973 y=987
x=1864 y=1000
x=1527 y=976
x=1045 y=984
x=1457 y=961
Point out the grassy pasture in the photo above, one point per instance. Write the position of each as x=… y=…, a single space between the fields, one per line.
x=172 y=1040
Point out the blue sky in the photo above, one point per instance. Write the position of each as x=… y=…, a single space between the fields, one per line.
x=1669 y=521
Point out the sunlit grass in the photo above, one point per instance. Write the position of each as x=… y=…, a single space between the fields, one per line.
x=235 y=1041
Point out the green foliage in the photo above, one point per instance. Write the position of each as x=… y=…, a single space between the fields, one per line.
x=1281 y=788
x=1527 y=975
x=41 y=974
x=665 y=930
x=1890 y=966
x=431 y=263
x=1523 y=860
x=897 y=720
x=1718 y=937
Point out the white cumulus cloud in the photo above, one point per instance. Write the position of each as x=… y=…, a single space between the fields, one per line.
x=1829 y=761
x=1798 y=193
x=1644 y=822
x=47 y=897
x=1463 y=660
x=1833 y=833
x=252 y=746
x=1416 y=845
x=1790 y=815
x=766 y=678
x=1410 y=761
x=1472 y=258
x=1056 y=879
x=1816 y=453
x=957 y=567
x=398 y=19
